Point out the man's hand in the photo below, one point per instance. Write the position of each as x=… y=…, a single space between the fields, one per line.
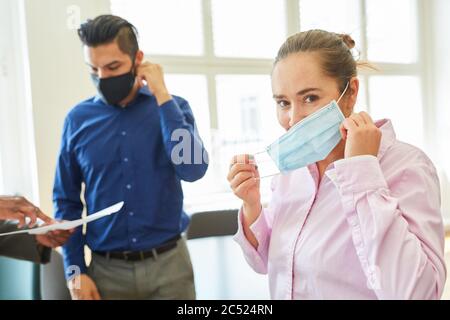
x=154 y=76
x=82 y=287
x=19 y=208
x=55 y=238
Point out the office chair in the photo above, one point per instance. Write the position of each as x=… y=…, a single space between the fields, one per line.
x=212 y=224
x=212 y=227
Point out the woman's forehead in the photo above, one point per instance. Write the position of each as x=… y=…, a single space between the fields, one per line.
x=299 y=71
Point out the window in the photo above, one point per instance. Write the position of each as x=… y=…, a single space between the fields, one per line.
x=262 y=34
x=388 y=98
x=155 y=20
x=391 y=43
x=392 y=37
x=220 y=60
x=337 y=16
x=218 y=55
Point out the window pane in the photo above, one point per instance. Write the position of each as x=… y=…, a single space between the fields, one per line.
x=336 y=16
x=392 y=30
x=247 y=117
x=172 y=27
x=193 y=88
x=361 y=102
x=245 y=104
x=399 y=99
x=250 y=28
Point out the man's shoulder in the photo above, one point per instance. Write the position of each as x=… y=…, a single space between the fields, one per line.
x=81 y=109
x=179 y=100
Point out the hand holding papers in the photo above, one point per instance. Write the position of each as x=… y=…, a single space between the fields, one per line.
x=67 y=225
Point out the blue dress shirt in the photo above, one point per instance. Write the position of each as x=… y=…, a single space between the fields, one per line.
x=129 y=154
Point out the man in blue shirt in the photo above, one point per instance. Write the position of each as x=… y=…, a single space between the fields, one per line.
x=133 y=142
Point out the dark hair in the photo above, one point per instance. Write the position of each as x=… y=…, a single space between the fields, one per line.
x=334 y=51
x=107 y=28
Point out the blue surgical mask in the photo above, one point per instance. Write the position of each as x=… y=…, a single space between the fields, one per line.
x=310 y=140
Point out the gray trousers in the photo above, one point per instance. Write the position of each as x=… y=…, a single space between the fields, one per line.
x=169 y=276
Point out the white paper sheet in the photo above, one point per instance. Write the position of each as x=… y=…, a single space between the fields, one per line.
x=67 y=225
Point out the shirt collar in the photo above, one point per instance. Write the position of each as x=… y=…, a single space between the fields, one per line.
x=388 y=136
x=142 y=91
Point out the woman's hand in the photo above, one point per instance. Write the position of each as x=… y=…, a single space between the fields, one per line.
x=244 y=179
x=361 y=135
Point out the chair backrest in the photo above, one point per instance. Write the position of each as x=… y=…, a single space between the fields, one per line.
x=212 y=224
x=52 y=278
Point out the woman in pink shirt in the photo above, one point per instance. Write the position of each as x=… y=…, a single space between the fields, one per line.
x=365 y=222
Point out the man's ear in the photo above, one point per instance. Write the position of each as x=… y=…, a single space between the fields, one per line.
x=139 y=58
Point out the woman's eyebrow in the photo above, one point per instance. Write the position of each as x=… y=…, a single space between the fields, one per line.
x=300 y=93
x=278 y=96
x=307 y=90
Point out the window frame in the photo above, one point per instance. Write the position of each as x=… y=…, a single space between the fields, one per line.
x=210 y=65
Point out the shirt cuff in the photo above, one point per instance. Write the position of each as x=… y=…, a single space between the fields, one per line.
x=260 y=229
x=74 y=265
x=256 y=257
x=359 y=174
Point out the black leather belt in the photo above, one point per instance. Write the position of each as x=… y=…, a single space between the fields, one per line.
x=141 y=255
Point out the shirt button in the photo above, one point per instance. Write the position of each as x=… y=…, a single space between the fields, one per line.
x=125 y=159
x=131 y=213
x=124 y=133
x=128 y=186
x=134 y=240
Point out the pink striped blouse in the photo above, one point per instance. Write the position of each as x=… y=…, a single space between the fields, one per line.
x=372 y=229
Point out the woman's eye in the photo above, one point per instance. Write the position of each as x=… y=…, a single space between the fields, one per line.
x=283 y=104
x=310 y=99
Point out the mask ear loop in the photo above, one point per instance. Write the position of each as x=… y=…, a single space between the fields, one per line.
x=343 y=93
x=269 y=176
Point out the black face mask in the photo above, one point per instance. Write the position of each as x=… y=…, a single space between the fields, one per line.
x=114 y=89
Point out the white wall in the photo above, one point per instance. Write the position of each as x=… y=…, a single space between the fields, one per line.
x=17 y=155
x=59 y=77
x=440 y=88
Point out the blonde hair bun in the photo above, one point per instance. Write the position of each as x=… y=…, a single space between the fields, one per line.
x=348 y=40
